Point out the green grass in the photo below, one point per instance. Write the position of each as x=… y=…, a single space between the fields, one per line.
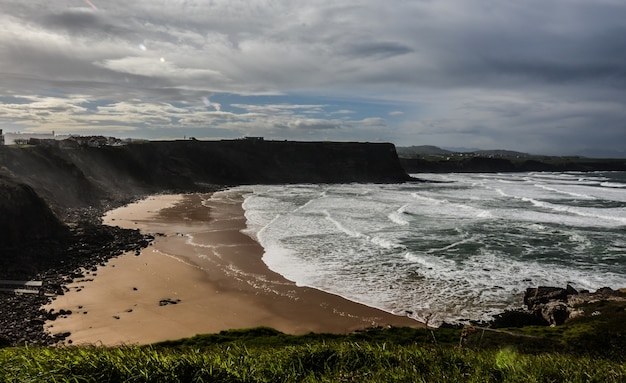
x=312 y=362
x=266 y=355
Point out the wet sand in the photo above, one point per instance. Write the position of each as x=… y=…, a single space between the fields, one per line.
x=201 y=275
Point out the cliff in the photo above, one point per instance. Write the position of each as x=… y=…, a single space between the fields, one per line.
x=25 y=216
x=68 y=176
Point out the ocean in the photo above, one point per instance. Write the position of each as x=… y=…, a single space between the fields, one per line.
x=458 y=247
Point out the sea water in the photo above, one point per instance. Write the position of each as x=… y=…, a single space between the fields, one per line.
x=457 y=247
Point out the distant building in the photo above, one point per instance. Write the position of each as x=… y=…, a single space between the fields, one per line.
x=1 y=138
x=256 y=139
x=21 y=138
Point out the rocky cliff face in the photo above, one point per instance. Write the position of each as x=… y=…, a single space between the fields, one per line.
x=25 y=216
x=185 y=163
x=30 y=232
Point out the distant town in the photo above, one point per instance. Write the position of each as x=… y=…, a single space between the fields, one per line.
x=18 y=138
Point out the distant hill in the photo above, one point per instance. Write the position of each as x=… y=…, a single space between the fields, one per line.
x=431 y=150
x=502 y=153
x=421 y=150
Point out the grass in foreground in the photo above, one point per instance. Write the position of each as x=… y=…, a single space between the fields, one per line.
x=314 y=362
x=589 y=349
x=266 y=355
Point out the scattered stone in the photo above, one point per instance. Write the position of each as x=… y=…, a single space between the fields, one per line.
x=90 y=245
x=168 y=301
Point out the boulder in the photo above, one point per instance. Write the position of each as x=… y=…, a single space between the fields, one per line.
x=544 y=294
x=555 y=312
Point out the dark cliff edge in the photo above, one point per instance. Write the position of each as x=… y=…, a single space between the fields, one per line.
x=68 y=175
x=25 y=215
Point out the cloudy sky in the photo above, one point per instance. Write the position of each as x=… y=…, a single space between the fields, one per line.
x=540 y=76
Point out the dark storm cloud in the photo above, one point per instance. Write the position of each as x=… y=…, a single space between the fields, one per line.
x=86 y=21
x=378 y=49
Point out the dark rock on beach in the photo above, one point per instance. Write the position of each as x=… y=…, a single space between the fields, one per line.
x=169 y=301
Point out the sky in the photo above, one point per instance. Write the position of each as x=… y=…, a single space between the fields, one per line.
x=537 y=76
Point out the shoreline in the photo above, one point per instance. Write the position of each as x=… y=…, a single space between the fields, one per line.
x=200 y=275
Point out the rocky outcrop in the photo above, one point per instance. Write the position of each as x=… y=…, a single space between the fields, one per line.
x=25 y=217
x=554 y=306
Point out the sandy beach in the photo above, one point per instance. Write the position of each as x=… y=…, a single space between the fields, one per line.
x=200 y=275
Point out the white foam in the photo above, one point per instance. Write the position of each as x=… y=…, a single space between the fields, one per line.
x=341 y=227
x=398 y=216
x=462 y=249
x=573 y=194
x=612 y=185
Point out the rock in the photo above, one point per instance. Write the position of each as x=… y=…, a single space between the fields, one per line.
x=570 y=290
x=544 y=295
x=555 y=313
x=168 y=301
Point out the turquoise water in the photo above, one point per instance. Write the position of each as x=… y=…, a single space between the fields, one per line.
x=464 y=246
